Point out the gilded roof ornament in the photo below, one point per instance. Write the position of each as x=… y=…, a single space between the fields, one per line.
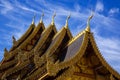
x=88 y=23
x=21 y=56
x=33 y=20
x=53 y=18
x=41 y=20
x=66 y=24
x=14 y=40
x=5 y=52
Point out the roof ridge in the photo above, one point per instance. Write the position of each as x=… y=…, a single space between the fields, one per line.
x=23 y=37
x=58 y=32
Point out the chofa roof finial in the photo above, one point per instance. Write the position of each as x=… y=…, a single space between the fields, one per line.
x=13 y=39
x=5 y=52
x=88 y=22
x=53 y=18
x=41 y=20
x=66 y=24
x=33 y=20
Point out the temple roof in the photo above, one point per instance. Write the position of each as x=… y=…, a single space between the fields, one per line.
x=24 y=36
x=44 y=52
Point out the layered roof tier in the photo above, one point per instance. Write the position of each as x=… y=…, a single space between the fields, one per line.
x=43 y=53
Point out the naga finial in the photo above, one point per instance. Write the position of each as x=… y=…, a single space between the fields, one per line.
x=42 y=17
x=66 y=24
x=14 y=40
x=5 y=52
x=88 y=22
x=53 y=18
x=5 y=49
x=33 y=20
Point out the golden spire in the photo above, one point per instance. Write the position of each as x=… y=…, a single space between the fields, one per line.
x=66 y=24
x=53 y=18
x=41 y=20
x=88 y=23
x=33 y=20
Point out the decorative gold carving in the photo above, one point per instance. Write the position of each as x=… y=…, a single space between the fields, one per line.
x=82 y=66
x=52 y=67
x=21 y=56
x=36 y=60
x=39 y=61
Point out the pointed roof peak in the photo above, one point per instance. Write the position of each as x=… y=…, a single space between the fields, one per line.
x=88 y=22
x=33 y=20
x=66 y=24
x=41 y=20
x=53 y=18
x=5 y=50
x=14 y=39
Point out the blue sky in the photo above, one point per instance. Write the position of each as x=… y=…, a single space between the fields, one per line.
x=16 y=16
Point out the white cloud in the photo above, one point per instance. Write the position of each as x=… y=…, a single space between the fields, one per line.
x=27 y=9
x=6 y=5
x=99 y=6
x=17 y=31
x=107 y=23
x=109 y=48
x=114 y=10
x=77 y=7
x=23 y=7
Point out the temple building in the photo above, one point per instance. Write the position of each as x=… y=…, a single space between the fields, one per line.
x=47 y=54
